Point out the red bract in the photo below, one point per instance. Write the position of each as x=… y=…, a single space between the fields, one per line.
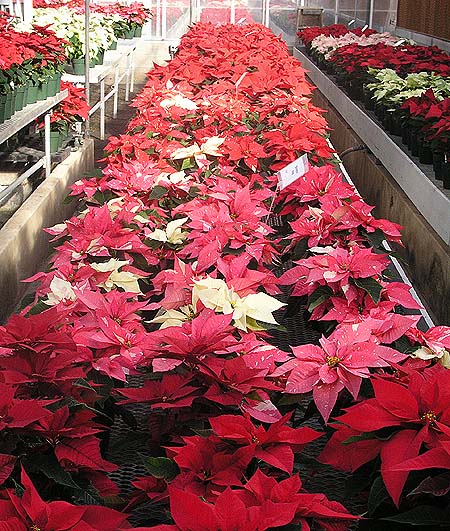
x=172 y=391
x=420 y=414
x=31 y=512
x=262 y=504
x=275 y=446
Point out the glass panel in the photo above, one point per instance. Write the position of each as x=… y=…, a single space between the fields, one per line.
x=283 y=19
x=175 y=18
x=224 y=11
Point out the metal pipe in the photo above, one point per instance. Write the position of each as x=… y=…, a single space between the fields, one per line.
x=233 y=12
x=164 y=20
x=10 y=189
x=371 y=13
x=86 y=61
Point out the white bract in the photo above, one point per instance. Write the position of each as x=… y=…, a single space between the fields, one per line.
x=210 y=147
x=60 y=290
x=216 y=295
x=172 y=233
x=122 y=279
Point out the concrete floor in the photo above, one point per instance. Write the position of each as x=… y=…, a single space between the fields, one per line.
x=148 y=53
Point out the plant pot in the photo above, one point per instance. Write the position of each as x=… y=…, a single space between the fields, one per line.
x=369 y=103
x=54 y=85
x=446 y=174
x=20 y=97
x=32 y=93
x=396 y=124
x=416 y=142
x=425 y=154
x=8 y=106
x=78 y=66
x=100 y=58
x=438 y=159
x=138 y=31
x=129 y=34
x=55 y=141
x=2 y=108
x=380 y=110
x=42 y=91
x=113 y=45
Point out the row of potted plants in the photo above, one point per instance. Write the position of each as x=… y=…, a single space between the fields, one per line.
x=168 y=272
x=31 y=64
x=66 y=114
x=108 y=22
x=387 y=76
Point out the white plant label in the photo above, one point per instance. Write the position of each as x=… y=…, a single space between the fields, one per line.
x=293 y=171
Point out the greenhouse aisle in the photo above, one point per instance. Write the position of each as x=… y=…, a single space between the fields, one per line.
x=217 y=342
x=147 y=53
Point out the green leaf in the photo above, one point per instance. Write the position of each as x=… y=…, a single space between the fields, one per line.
x=317 y=297
x=437 y=485
x=363 y=437
x=187 y=164
x=376 y=238
x=158 y=192
x=39 y=307
x=161 y=467
x=81 y=382
x=89 y=496
x=194 y=191
x=422 y=515
x=69 y=199
x=372 y=287
x=378 y=494
x=50 y=467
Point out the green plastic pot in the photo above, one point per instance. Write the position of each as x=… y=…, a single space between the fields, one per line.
x=113 y=45
x=55 y=141
x=130 y=33
x=54 y=85
x=42 y=91
x=2 y=108
x=100 y=58
x=32 y=93
x=78 y=66
x=138 y=31
x=8 y=106
x=20 y=98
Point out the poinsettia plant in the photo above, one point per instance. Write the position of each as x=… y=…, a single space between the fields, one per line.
x=165 y=291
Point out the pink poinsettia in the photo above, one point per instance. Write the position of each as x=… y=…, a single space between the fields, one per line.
x=341 y=361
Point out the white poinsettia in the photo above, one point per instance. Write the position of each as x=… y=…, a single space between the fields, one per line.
x=210 y=147
x=122 y=279
x=60 y=290
x=426 y=353
x=172 y=233
x=70 y=26
x=174 y=317
x=177 y=178
x=216 y=295
x=178 y=100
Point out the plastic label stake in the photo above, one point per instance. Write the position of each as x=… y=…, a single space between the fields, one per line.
x=293 y=171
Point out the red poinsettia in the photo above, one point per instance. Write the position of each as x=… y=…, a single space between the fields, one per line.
x=31 y=512
x=418 y=417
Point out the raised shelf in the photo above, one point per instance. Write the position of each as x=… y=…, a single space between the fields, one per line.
x=29 y=113
x=433 y=203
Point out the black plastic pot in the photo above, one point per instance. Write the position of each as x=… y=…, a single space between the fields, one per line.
x=446 y=174
x=438 y=160
x=425 y=154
